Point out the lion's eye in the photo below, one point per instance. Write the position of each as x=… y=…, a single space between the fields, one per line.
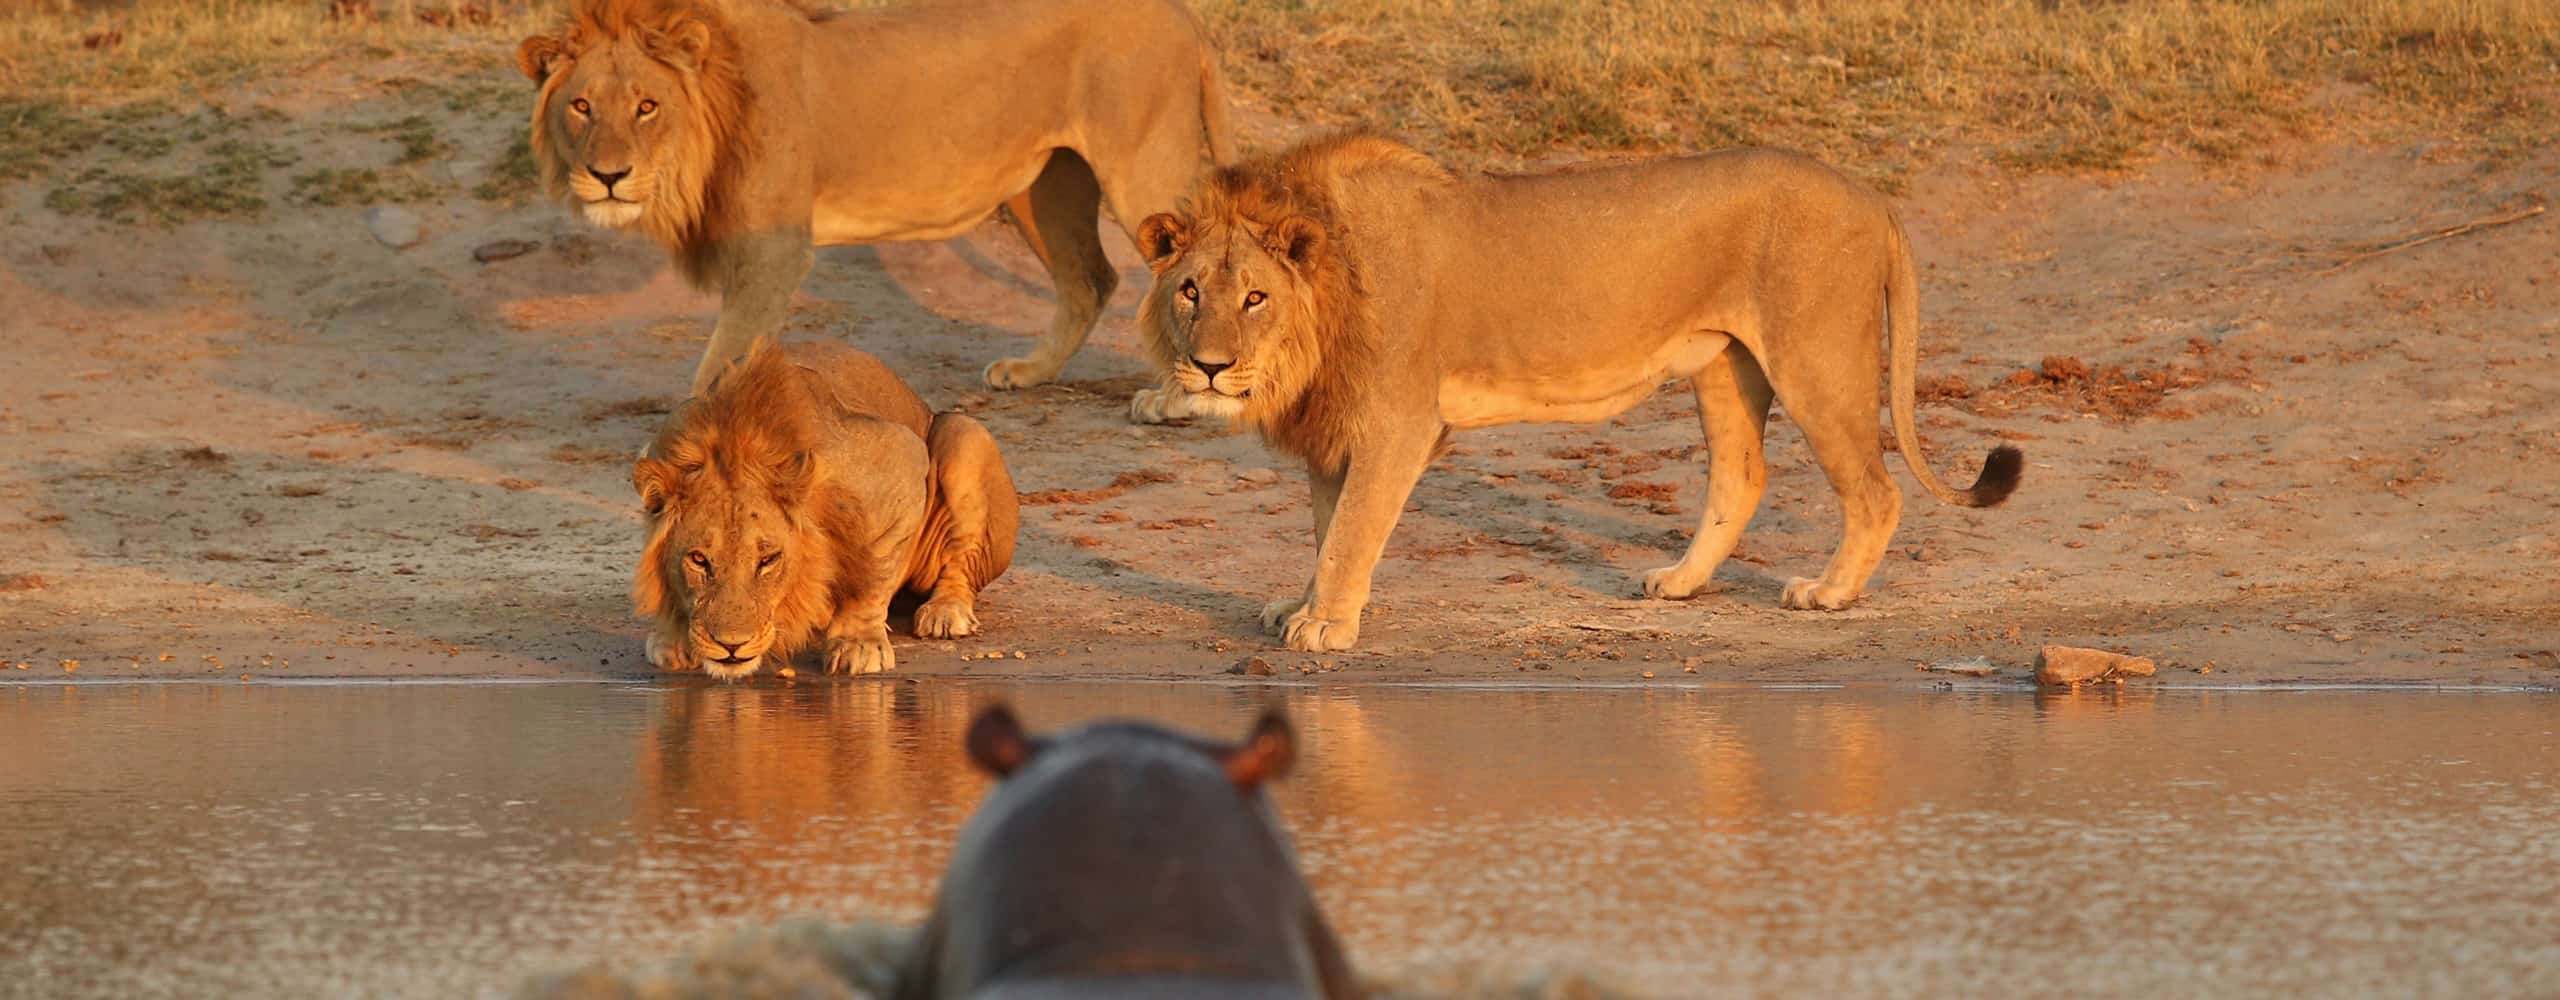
x=698 y=561
x=1252 y=299
x=1190 y=292
x=579 y=105
x=648 y=108
x=766 y=561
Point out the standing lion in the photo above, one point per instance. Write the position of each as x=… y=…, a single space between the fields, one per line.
x=790 y=503
x=742 y=133
x=1354 y=302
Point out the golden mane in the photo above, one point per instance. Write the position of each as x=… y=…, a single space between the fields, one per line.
x=689 y=213
x=1315 y=372
x=749 y=435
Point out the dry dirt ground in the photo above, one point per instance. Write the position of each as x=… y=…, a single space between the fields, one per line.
x=272 y=445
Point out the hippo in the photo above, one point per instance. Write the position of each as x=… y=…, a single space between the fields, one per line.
x=1122 y=859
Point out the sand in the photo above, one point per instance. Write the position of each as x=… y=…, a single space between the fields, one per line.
x=275 y=446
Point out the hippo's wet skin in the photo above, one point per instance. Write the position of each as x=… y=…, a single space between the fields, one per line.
x=1125 y=860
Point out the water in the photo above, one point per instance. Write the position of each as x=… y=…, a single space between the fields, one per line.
x=443 y=840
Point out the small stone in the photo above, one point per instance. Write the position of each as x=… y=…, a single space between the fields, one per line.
x=788 y=673
x=1253 y=666
x=1648 y=675
x=2341 y=636
x=2064 y=666
x=1020 y=655
x=503 y=250
x=392 y=225
x=1259 y=477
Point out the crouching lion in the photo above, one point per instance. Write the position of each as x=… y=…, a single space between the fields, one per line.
x=794 y=499
x=1124 y=860
x=740 y=134
x=1354 y=302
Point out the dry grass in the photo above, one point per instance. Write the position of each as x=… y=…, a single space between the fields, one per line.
x=1880 y=86
x=111 y=51
x=1883 y=85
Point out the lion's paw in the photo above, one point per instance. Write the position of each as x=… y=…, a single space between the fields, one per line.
x=1671 y=583
x=671 y=653
x=1804 y=594
x=1158 y=405
x=1307 y=633
x=946 y=618
x=1277 y=612
x=866 y=654
x=1019 y=373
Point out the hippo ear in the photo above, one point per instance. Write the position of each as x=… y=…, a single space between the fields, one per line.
x=996 y=742
x=1265 y=754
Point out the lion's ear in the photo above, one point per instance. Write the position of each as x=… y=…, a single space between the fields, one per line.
x=682 y=44
x=1297 y=238
x=791 y=474
x=540 y=55
x=1265 y=754
x=1162 y=237
x=996 y=741
x=656 y=481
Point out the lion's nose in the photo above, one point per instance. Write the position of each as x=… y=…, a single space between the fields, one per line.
x=608 y=179
x=1211 y=368
x=731 y=647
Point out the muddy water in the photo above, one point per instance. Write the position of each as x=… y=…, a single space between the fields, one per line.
x=444 y=840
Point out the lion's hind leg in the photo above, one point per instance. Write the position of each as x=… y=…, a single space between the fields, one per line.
x=1838 y=417
x=969 y=532
x=1733 y=408
x=1063 y=228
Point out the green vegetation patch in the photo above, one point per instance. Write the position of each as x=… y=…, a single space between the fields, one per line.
x=416 y=136
x=225 y=183
x=514 y=177
x=331 y=186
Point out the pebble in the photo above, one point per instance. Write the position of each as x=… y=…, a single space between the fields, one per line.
x=392 y=225
x=1260 y=477
x=1253 y=666
x=502 y=250
x=2072 y=665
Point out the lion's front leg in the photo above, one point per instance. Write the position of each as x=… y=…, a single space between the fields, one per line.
x=668 y=648
x=858 y=637
x=1354 y=534
x=1324 y=489
x=758 y=274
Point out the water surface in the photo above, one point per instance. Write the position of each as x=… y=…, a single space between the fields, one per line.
x=448 y=840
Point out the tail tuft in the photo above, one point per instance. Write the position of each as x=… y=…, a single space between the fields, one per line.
x=1999 y=477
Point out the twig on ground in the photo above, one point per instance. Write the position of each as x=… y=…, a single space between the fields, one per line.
x=2347 y=257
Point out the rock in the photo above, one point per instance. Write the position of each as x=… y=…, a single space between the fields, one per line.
x=394 y=226
x=503 y=250
x=1253 y=666
x=1260 y=477
x=2064 y=666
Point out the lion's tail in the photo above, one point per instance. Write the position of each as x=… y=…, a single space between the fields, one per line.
x=2001 y=469
x=1213 y=110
